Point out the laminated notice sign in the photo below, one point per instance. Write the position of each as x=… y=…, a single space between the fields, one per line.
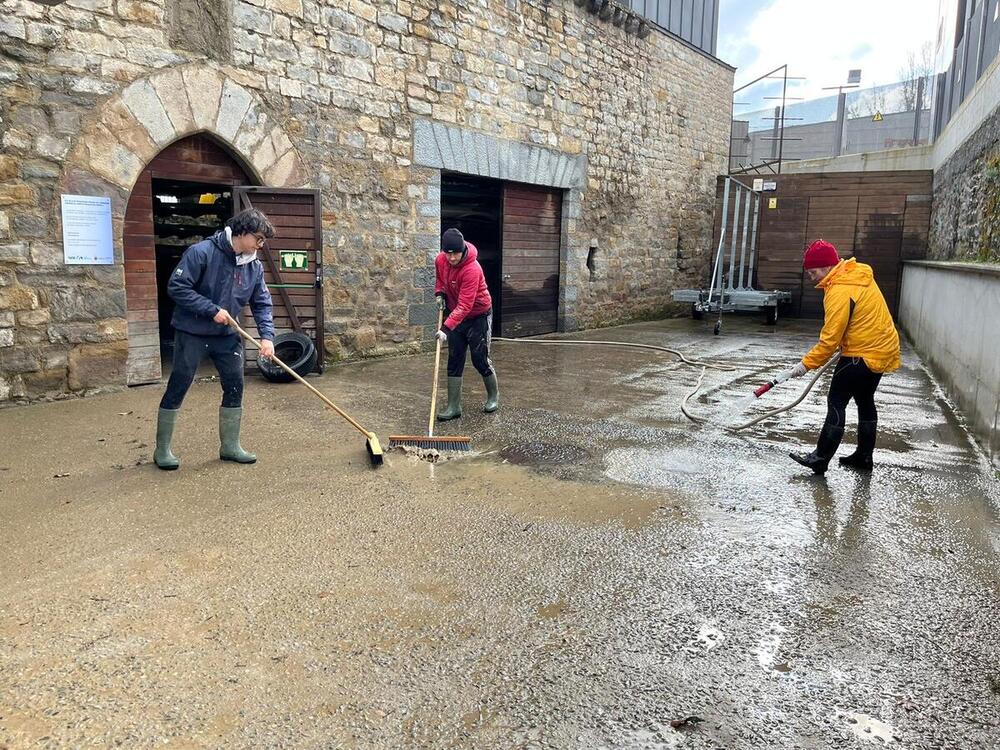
x=87 y=230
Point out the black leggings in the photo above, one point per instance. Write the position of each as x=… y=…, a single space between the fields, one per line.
x=852 y=379
x=475 y=334
x=189 y=350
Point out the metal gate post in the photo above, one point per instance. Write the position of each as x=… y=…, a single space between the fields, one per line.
x=717 y=270
x=736 y=231
x=743 y=241
x=753 y=242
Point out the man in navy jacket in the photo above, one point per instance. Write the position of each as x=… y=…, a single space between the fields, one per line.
x=214 y=280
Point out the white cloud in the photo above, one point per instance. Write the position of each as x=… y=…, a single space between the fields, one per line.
x=823 y=40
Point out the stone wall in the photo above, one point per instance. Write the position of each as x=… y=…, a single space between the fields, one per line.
x=950 y=311
x=329 y=96
x=965 y=223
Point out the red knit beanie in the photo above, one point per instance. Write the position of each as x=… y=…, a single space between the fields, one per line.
x=820 y=254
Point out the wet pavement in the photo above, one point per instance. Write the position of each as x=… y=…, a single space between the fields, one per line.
x=597 y=568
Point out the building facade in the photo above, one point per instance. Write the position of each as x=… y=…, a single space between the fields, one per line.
x=966 y=116
x=588 y=142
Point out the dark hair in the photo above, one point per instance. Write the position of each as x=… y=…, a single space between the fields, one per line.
x=250 y=221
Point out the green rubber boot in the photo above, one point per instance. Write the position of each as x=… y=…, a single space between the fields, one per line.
x=229 y=436
x=492 y=393
x=163 y=457
x=454 y=408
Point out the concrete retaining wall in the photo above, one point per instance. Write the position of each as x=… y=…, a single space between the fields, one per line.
x=950 y=312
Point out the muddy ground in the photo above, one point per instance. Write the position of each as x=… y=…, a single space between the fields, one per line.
x=597 y=568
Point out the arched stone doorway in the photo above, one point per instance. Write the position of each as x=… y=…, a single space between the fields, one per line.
x=147 y=117
x=182 y=196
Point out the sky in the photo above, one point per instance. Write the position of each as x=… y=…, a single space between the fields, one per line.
x=822 y=40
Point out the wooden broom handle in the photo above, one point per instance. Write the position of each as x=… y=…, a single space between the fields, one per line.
x=302 y=380
x=437 y=368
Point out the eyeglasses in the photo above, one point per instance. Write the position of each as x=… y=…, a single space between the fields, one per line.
x=260 y=239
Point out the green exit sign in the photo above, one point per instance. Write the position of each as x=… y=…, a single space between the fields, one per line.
x=294 y=260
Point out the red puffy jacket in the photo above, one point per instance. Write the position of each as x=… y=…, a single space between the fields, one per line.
x=464 y=286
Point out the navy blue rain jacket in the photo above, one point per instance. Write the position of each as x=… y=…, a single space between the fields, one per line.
x=208 y=278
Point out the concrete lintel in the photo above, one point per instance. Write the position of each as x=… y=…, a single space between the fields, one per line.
x=471 y=152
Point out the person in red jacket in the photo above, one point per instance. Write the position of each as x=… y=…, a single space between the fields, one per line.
x=461 y=289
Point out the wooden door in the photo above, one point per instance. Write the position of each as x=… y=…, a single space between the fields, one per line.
x=834 y=219
x=782 y=238
x=879 y=241
x=532 y=221
x=196 y=159
x=293 y=260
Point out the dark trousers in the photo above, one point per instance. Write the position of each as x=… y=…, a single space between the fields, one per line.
x=475 y=335
x=852 y=379
x=189 y=350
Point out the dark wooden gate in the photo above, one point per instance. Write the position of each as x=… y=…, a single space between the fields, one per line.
x=881 y=218
x=532 y=220
x=296 y=284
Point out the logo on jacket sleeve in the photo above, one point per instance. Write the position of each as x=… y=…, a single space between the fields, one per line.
x=179 y=272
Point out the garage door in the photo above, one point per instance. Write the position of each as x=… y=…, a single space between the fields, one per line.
x=532 y=217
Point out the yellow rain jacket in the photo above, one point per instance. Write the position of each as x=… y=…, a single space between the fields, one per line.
x=856 y=320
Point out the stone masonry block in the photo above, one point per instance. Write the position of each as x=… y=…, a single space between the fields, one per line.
x=172 y=92
x=143 y=102
x=16 y=253
x=235 y=102
x=204 y=90
x=97 y=365
x=112 y=160
x=16 y=297
x=118 y=119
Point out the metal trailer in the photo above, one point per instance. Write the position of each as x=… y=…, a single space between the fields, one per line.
x=731 y=288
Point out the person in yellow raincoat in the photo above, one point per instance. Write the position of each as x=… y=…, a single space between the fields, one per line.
x=858 y=323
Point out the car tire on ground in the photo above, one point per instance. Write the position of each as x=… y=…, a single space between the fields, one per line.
x=294 y=349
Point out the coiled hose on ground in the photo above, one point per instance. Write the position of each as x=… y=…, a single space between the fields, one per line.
x=705 y=365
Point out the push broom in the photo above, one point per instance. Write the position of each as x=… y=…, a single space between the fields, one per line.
x=429 y=441
x=372 y=444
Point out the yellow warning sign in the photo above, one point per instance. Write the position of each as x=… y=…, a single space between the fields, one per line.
x=877 y=117
x=772 y=202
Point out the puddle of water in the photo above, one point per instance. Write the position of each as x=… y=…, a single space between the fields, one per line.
x=709 y=636
x=539 y=497
x=656 y=737
x=535 y=453
x=870 y=729
x=768 y=646
x=552 y=611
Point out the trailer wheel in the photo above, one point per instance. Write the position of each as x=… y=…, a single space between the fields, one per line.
x=695 y=312
x=294 y=349
x=771 y=315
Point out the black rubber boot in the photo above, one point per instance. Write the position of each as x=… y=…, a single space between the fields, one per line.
x=229 y=436
x=819 y=459
x=163 y=457
x=454 y=408
x=492 y=393
x=861 y=459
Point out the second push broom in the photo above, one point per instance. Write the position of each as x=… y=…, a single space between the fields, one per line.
x=429 y=441
x=372 y=444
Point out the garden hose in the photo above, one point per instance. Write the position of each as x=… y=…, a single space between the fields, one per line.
x=692 y=363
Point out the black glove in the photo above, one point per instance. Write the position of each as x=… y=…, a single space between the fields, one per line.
x=440 y=301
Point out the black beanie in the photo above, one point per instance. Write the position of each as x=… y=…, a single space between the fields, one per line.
x=452 y=241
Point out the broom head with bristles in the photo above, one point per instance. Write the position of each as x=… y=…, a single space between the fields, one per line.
x=427 y=442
